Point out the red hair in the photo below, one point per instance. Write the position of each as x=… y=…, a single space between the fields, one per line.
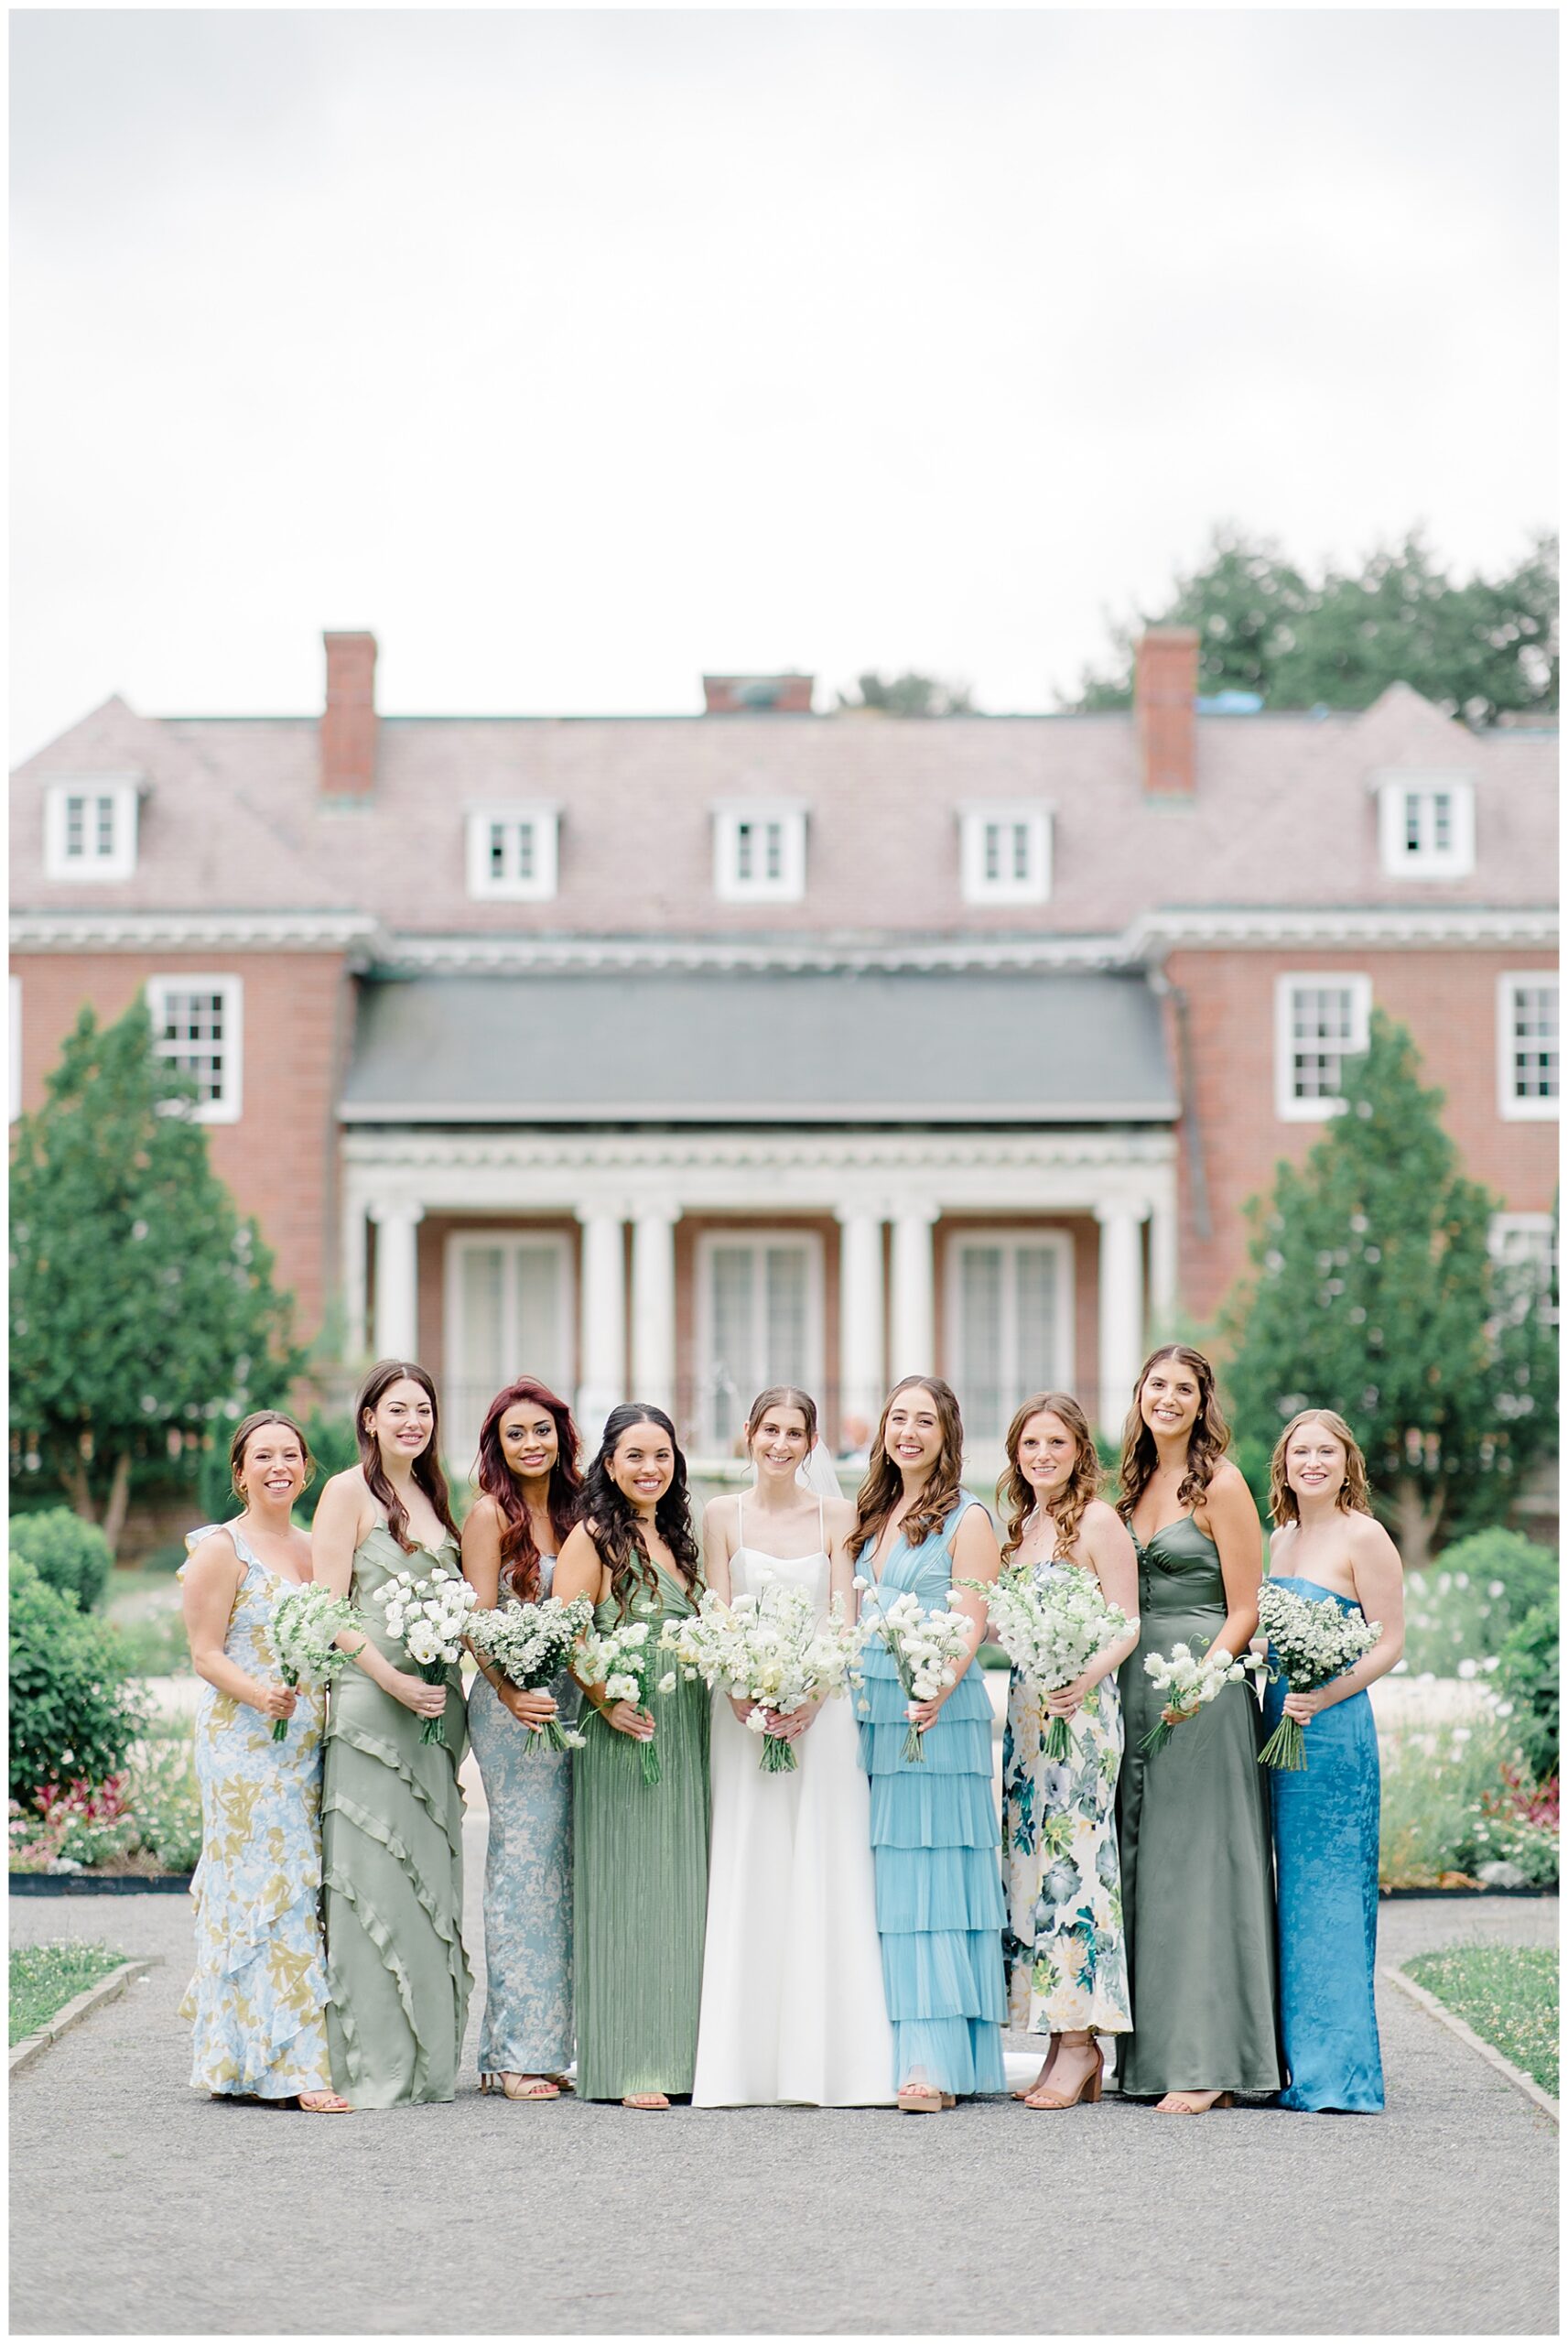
x=519 y=1554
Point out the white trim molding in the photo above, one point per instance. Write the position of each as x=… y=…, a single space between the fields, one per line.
x=1004 y=851
x=102 y=852
x=1513 y=1106
x=1426 y=823
x=501 y=839
x=759 y=850
x=204 y=932
x=1315 y=1106
x=720 y=1110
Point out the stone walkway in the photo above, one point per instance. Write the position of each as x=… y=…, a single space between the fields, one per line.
x=139 y=2208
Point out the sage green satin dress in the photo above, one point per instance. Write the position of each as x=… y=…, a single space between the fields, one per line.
x=1198 y=1877
x=639 y=1885
x=392 y=1856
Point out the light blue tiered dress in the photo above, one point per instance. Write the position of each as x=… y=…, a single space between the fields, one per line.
x=937 y=1842
x=1325 y=1848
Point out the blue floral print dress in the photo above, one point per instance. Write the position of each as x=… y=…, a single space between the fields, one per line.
x=259 y=1995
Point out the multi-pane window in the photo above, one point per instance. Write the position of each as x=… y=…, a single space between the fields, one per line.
x=1320 y=1021
x=1524 y=1247
x=511 y=852
x=1009 y=1304
x=508 y=1314
x=197 y=1024
x=1426 y=827
x=1528 y=1045
x=1005 y=855
x=760 y=1322
x=759 y=852
x=89 y=829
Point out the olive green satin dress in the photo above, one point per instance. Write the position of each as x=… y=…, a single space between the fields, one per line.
x=639 y=1885
x=1197 y=1882
x=391 y=1855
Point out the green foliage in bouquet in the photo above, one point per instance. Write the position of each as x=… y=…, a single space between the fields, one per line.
x=66 y=1552
x=71 y=1716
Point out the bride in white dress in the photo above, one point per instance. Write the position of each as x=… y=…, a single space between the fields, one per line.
x=793 y=2006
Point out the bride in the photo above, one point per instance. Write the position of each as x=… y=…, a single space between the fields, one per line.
x=793 y=2006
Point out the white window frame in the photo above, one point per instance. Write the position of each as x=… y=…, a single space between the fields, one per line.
x=514 y=886
x=461 y=1439
x=1056 y=1241
x=1005 y=886
x=14 y=1072
x=805 y=1241
x=731 y=818
x=121 y=791
x=228 y=1106
x=1539 y=1232
x=1287 y=1106
x=1395 y=792
x=1510 y=1107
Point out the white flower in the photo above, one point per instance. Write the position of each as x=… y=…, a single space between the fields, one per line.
x=667 y=1684
x=1468 y=1668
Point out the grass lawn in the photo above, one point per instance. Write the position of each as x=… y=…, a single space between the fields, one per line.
x=44 y=1978
x=1506 y=1992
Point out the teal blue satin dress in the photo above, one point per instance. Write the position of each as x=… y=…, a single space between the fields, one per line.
x=1325 y=1822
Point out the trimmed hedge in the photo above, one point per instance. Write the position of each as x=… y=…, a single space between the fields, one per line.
x=66 y=1552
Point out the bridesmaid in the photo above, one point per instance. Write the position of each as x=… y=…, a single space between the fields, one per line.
x=1066 y=1964
x=1326 y=1817
x=933 y=1827
x=528 y=1483
x=260 y=1987
x=392 y=1814
x=1196 y=1875
x=640 y=1870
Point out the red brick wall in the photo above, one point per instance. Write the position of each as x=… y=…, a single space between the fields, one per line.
x=1448 y=999
x=280 y=1158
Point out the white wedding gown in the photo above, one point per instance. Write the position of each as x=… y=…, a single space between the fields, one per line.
x=793 y=2007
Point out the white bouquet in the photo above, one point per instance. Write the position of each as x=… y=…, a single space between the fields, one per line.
x=303 y=1630
x=531 y=1643
x=1050 y=1628
x=622 y=1659
x=1191 y=1680
x=429 y=1618
x=1311 y=1642
x=925 y=1648
x=769 y=1648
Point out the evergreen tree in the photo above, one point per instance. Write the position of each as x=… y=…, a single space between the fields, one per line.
x=142 y=1307
x=1374 y=1293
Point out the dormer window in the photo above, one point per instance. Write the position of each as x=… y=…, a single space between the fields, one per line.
x=1005 y=853
x=90 y=829
x=759 y=852
x=511 y=852
x=1426 y=825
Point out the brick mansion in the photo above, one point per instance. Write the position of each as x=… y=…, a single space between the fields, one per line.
x=677 y=1055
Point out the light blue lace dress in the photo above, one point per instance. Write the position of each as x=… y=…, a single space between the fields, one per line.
x=259 y=1995
x=527 y=2027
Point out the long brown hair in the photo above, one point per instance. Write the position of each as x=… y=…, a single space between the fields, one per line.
x=1352 y=1495
x=427 y=1471
x=519 y=1550
x=883 y=1486
x=1017 y=1497
x=610 y=1520
x=782 y=1395
x=254 y=1423
x=1207 y=1443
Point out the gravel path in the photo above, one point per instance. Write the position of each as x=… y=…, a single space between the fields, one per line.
x=139 y=2208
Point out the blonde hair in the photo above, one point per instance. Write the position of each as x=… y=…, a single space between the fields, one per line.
x=1351 y=1496
x=1016 y=1497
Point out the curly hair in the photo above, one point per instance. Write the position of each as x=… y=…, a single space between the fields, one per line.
x=1017 y=1499
x=1352 y=1496
x=883 y=1486
x=1207 y=1443
x=427 y=1471
x=610 y=1518
x=519 y=1554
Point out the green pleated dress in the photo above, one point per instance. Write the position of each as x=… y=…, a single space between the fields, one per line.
x=640 y=1886
x=391 y=1855
x=1197 y=1875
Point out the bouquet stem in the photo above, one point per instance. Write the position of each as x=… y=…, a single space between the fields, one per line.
x=1057 y=1742
x=554 y=1735
x=778 y=1756
x=1285 y=1749
x=915 y=1747
x=280 y=1725
x=652 y=1770
x=434 y=1671
x=1157 y=1737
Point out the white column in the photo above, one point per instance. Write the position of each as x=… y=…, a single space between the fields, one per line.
x=602 y=1351
x=861 y=1364
x=913 y=1293
x=653 y=1305
x=1162 y=1255
x=1121 y=1307
x=396 y=1279
x=356 y=1297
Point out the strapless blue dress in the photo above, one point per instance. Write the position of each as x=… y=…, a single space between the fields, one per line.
x=1326 y=1852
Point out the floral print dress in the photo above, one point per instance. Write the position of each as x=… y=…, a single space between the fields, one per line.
x=259 y=1995
x=1067 y=1965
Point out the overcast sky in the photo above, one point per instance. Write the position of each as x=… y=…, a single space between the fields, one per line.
x=575 y=354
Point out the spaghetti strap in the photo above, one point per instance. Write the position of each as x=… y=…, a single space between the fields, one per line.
x=821 y=1525
x=740 y=1519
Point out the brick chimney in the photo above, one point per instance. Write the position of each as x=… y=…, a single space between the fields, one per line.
x=1165 y=686
x=787 y=695
x=347 y=725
